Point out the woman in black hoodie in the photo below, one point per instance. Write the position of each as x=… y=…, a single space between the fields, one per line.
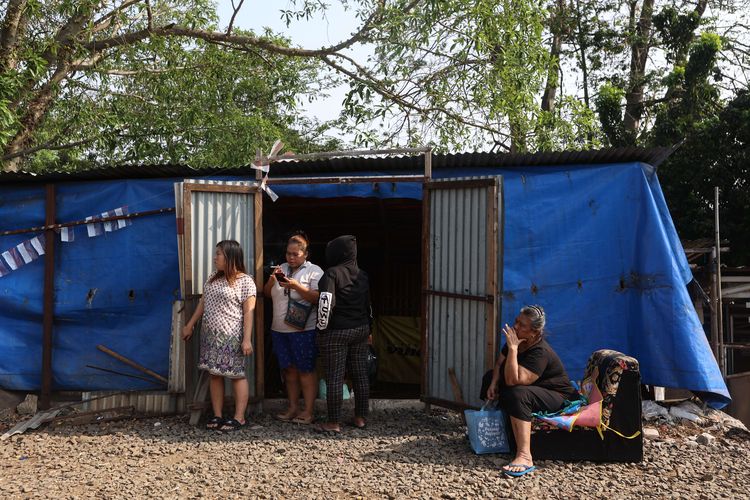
x=344 y=328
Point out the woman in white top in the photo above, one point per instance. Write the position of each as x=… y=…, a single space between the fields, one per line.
x=293 y=288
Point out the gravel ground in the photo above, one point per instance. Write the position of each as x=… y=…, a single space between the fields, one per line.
x=404 y=453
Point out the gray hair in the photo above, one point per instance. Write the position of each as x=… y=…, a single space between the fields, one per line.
x=536 y=315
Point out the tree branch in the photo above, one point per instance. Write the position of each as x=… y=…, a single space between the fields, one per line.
x=47 y=146
x=35 y=111
x=150 y=15
x=123 y=72
x=234 y=40
x=9 y=33
x=234 y=15
x=106 y=19
x=379 y=89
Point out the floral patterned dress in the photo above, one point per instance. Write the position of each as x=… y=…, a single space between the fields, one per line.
x=222 y=326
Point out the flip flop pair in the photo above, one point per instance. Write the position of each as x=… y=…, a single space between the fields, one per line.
x=526 y=469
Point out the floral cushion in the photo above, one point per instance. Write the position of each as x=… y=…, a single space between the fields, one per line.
x=611 y=365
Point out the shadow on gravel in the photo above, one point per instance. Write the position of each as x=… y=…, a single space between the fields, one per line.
x=404 y=434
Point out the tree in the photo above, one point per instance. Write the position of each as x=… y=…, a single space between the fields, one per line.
x=102 y=73
x=715 y=152
x=511 y=75
x=658 y=36
x=465 y=74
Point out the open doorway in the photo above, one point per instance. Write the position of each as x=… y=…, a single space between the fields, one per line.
x=389 y=235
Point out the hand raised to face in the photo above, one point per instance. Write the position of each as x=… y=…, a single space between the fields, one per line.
x=511 y=337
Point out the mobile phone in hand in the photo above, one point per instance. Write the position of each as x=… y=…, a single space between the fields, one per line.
x=281 y=278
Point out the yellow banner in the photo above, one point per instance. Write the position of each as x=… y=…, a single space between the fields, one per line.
x=397 y=343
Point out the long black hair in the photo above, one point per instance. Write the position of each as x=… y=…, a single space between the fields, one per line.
x=235 y=261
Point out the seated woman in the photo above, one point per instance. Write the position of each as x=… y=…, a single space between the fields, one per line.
x=528 y=377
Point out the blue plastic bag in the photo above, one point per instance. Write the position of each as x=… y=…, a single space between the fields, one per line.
x=323 y=390
x=487 y=430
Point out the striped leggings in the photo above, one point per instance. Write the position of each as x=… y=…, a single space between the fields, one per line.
x=341 y=349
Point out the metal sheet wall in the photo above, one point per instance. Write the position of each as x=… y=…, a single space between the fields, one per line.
x=219 y=216
x=145 y=402
x=459 y=264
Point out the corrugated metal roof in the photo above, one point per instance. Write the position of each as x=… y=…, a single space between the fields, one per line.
x=652 y=156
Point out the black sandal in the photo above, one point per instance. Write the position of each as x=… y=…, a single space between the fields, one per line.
x=232 y=425
x=214 y=423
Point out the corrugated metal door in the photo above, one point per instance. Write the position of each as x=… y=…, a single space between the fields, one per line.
x=462 y=252
x=209 y=212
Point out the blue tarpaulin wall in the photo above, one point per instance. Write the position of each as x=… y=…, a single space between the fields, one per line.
x=594 y=244
x=116 y=289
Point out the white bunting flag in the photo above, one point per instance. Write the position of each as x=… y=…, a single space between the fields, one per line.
x=270 y=192
x=38 y=243
x=94 y=229
x=121 y=223
x=275 y=150
x=67 y=234
x=262 y=168
x=25 y=254
x=4 y=271
x=110 y=225
x=13 y=262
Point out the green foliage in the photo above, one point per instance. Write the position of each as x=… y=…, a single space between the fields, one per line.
x=467 y=74
x=161 y=99
x=609 y=107
x=691 y=96
x=571 y=126
x=676 y=30
x=199 y=105
x=715 y=152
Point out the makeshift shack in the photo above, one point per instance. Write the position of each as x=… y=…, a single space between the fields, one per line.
x=455 y=245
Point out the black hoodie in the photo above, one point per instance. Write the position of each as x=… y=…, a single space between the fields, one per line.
x=344 y=288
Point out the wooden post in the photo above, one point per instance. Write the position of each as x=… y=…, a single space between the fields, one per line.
x=424 y=344
x=260 y=383
x=49 y=299
x=719 y=305
x=714 y=322
x=491 y=322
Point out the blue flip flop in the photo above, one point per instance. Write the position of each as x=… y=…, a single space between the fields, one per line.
x=519 y=473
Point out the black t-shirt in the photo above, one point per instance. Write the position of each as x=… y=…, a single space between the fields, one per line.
x=544 y=361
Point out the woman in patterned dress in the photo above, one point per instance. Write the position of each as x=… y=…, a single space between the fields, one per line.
x=227 y=308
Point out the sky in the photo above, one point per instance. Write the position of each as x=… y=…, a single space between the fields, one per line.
x=337 y=25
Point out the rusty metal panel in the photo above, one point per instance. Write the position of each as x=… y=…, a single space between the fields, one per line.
x=145 y=402
x=462 y=295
